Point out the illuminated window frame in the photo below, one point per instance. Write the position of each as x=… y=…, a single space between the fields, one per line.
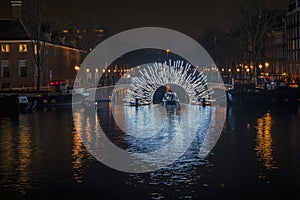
x=35 y=49
x=5 y=68
x=23 y=68
x=23 y=48
x=5 y=48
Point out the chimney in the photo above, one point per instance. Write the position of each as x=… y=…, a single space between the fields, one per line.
x=16 y=9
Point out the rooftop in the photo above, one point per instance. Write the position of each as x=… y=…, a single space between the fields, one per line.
x=12 y=29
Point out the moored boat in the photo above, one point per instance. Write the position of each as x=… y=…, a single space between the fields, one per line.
x=170 y=99
x=279 y=96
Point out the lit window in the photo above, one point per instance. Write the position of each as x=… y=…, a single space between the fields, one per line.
x=35 y=49
x=293 y=44
x=4 y=48
x=5 y=70
x=22 y=48
x=23 y=68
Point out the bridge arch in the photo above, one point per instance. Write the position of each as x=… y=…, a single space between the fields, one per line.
x=160 y=91
x=147 y=80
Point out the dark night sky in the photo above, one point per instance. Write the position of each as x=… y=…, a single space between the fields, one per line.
x=189 y=17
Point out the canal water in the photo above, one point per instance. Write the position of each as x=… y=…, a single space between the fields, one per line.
x=256 y=157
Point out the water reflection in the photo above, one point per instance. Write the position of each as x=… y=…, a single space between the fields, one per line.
x=16 y=153
x=7 y=152
x=173 y=127
x=264 y=141
x=79 y=153
x=40 y=155
x=77 y=158
x=175 y=133
x=24 y=154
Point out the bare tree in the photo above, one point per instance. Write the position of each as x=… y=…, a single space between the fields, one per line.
x=256 y=22
x=32 y=22
x=224 y=47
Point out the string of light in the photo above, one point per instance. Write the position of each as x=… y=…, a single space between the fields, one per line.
x=149 y=79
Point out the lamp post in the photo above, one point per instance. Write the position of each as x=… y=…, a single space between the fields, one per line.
x=108 y=71
x=246 y=71
x=260 y=67
x=96 y=77
x=102 y=78
x=267 y=65
x=251 y=70
x=77 y=68
x=168 y=51
x=238 y=73
x=88 y=77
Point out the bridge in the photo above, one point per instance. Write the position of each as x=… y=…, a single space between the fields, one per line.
x=105 y=93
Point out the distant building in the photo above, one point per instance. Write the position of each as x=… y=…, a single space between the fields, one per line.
x=275 y=52
x=17 y=66
x=224 y=48
x=84 y=39
x=293 y=39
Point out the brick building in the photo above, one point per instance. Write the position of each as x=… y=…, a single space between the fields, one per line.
x=17 y=66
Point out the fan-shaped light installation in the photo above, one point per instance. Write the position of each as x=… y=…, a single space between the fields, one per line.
x=148 y=80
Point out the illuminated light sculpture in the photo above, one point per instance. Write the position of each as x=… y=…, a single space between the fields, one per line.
x=148 y=80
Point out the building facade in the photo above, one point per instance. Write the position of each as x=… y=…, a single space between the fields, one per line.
x=275 y=47
x=18 y=69
x=293 y=39
x=17 y=56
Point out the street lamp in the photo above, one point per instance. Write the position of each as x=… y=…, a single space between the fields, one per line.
x=77 y=68
x=267 y=65
x=108 y=76
x=168 y=51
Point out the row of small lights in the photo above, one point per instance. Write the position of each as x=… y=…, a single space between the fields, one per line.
x=115 y=71
x=260 y=66
x=77 y=68
x=229 y=70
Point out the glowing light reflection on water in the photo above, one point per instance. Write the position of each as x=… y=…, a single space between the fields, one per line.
x=176 y=129
x=41 y=154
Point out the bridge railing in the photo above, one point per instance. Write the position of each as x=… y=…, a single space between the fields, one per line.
x=225 y=87
x=105 y=93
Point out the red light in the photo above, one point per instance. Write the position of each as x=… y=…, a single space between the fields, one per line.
x=120 y=74
x=57 y=83
x=51 y=83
